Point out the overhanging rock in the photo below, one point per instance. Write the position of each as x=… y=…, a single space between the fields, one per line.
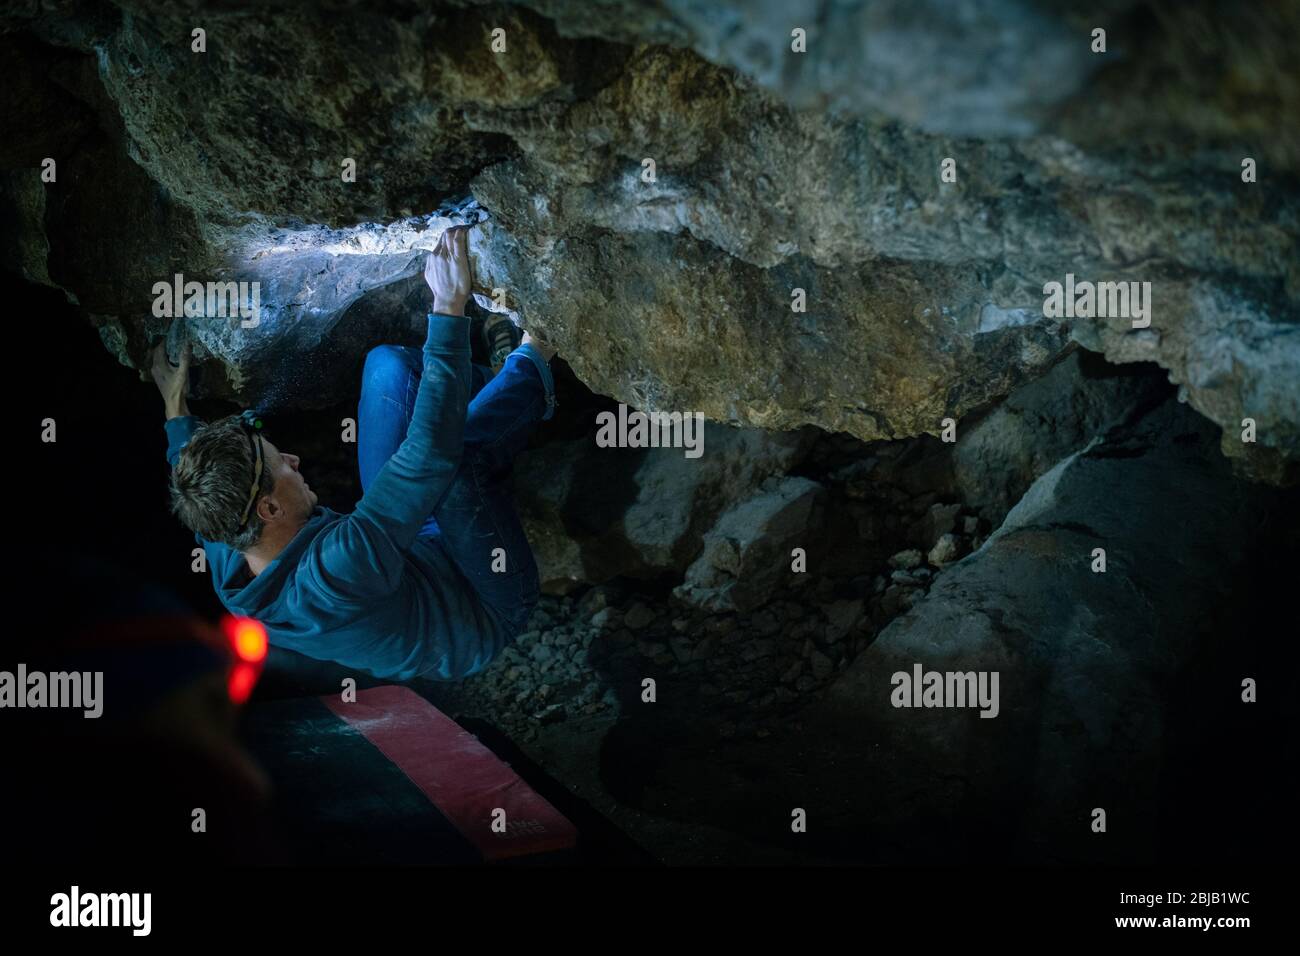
x=796 y=257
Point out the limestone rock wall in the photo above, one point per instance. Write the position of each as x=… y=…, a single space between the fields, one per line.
x=774 y=171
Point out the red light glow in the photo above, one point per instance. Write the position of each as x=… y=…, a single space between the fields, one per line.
x=247 y=637
x=240 y=684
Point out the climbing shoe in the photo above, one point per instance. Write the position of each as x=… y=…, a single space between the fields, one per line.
x=500 y=337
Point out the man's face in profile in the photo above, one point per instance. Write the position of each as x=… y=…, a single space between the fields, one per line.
x=291 y=491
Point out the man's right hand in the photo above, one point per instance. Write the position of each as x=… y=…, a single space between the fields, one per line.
x=447 y=272
x=173 y=381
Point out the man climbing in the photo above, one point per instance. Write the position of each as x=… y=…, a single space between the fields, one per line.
x=431 y=575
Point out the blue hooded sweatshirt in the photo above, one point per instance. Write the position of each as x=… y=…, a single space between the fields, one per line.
x=364 y=589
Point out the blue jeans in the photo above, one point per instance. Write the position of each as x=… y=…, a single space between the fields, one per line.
x=477 y=515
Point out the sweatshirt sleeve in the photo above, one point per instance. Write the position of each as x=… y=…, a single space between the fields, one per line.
x=179 y=432
x=365 y=552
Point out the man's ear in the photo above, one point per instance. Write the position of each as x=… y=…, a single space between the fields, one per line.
x=267 y=508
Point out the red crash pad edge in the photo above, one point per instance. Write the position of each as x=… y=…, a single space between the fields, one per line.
x=461 y=777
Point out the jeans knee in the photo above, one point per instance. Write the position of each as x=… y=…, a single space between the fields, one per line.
x=385 y=365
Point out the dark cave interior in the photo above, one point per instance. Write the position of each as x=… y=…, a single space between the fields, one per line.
x=837 y=258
